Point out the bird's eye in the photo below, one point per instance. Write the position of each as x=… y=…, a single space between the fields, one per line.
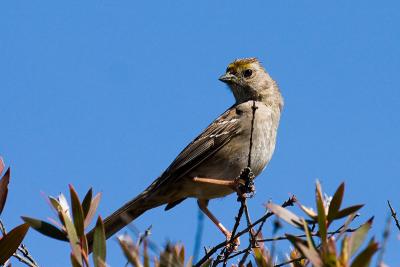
x=247 y=73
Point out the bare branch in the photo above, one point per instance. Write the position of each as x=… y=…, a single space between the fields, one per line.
x=394 y=215
x=262 y=220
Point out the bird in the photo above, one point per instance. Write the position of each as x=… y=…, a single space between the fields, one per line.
x=211 y=162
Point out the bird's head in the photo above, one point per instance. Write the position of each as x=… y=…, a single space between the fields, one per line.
x=248 y=80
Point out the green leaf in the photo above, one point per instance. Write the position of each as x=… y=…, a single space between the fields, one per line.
x=92 y=210
x=86 y=202
x=73 y=237
x=74 y=261
x=336 y=202
x=259 y=258
x=363 y=259
x=10 y=242
x=4 y=189
x=285 y=215
x=358 y=237
x=347 y=211
x=310 y=240
x=45 y=228
x=344 y=255
x=321 y=214
x=99 y=244
x=77 y=212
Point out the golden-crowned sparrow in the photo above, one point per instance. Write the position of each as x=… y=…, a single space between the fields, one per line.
x=220 y=152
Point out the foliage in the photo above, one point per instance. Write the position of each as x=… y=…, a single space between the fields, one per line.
x=10 y=241
x=72 y=228
x=318 y=245
x=332 y=248
x=172 y=255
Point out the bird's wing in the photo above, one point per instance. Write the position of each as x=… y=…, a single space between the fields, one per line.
x=212 y=139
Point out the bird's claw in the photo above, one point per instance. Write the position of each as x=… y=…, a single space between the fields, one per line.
x=232 y=244
x=244 y=184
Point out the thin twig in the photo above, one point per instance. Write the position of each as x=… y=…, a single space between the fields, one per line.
x=24 y=260
x=237 y=222
x=248 y=219
x=2 y=228
x=22 y=248
x=287 y=203
x=394 y=215
x=226 y=252
x=244 y=258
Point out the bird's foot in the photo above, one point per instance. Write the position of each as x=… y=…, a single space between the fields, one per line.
x=244 y=184
x=232 y=244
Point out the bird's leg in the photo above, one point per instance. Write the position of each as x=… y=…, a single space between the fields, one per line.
x=229 y=183
x=243 y=184
x=203 y=206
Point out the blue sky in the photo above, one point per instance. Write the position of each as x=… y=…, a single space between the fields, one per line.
x=106 y=94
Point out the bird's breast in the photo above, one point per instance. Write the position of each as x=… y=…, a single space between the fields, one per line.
x=231 y=159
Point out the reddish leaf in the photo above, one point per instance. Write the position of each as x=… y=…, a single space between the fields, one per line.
x=77 y=212
x=11 y=241
x=93 y=207
x=87 y=200
x=4 y=189
x=347 y=211
x=99 y=244
x=336 y=202
x=46 y=229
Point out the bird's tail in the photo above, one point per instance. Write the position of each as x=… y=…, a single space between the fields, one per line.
x=127 y=213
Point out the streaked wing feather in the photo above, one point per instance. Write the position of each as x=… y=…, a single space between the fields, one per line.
x=212 y=139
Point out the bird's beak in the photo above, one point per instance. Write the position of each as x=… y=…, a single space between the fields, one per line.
x=227 y=78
